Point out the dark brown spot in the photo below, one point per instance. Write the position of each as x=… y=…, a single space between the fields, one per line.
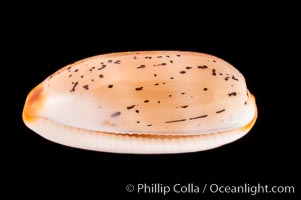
x=100 y=76
x=130 y=107
x=171 y=61
x=178 y=55
x=86 y=87
x=219 y=111
x=115 y=114
x=198 y=117
x=156 y=84
x=102 y=67
x=141 y=66
x=182 y=72
x=137 y=111
x=74 y=86
x=110 y=61
x=159 y=56
x=182 y=93
x=148 y=57
x=159 y=101
x=173 y=121
x=76 y=70
x=221 y=74
x=203 y=67
x=81 y=76
x=234 y=78
x=137 y=122
x=205 y=89
x=161 y=64
x=213 y=72
x=70 y=75
x=149 y=125
x=188 y=67
x=110 y=86
x=138 y=88
x=227 y=78
x=92 y=79
x=117 y=62
x=146 y=101
x=184 y=106
x=170 y=95
x=246 y=103
x=232 y=94
x=155 y=75
x=171 y=78
x=214 y=60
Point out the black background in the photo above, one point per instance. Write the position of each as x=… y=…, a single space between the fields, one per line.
x=42 y=43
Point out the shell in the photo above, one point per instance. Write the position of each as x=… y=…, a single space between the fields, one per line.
x=143 y=102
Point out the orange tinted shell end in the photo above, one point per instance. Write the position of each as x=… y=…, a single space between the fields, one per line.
x=33 y=104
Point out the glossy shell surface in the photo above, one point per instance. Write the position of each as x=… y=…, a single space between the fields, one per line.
x=143 y=102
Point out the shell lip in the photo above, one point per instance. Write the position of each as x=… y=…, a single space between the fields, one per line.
x=132 y=144
x=245 y=128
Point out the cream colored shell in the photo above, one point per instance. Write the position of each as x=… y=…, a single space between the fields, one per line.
x=143 y=102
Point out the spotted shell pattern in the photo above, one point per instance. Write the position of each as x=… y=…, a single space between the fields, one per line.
x=149 y=94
